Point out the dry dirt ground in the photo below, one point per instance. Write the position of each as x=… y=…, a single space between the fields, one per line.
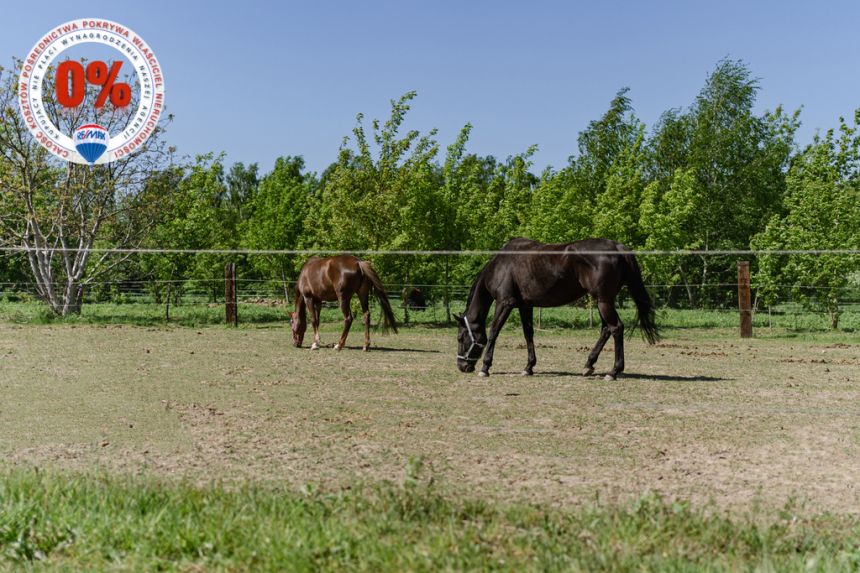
x=702 y=416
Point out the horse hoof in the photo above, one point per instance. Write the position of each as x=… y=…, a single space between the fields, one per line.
x=314 y=346
x=365 y=348
x=483 y=374
x=609 y=378
x=337 y=346
x=588 y=371
x=527 y=372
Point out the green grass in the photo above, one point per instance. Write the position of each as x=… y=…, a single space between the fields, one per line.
x=140 y=314
x=783 y=319
x=95 y=522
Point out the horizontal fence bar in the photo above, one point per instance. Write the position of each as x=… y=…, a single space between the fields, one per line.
x=680 y=252
x=278 y=285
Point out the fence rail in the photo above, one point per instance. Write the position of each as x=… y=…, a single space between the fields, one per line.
x=431 y=252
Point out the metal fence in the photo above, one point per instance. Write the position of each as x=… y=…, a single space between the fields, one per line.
x=269 y=300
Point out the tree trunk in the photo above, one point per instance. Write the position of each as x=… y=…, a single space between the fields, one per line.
x=404 y=300
x=75 y=301
x=691 y=298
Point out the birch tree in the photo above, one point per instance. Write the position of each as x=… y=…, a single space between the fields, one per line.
x=58 y=212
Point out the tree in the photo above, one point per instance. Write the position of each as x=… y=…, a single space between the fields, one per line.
x=822 y=212
x=471 y=200
x=597 y=193
x=386 y=202
x=616 y=214
x=604 y=141
x=737 y=161
x=242 y=183
x=279 y=209
x=669 y=222
x=58 y=212
x=515 y=204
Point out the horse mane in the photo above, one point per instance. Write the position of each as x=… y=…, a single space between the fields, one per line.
x=474 y=288
x=479 y=282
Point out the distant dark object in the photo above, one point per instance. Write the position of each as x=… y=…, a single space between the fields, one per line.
x=559 y=277
x=414 y=299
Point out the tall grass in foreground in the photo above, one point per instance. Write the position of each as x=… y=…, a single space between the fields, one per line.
x=86 y=522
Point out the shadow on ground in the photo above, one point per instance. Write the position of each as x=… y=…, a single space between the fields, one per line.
x=626 y=376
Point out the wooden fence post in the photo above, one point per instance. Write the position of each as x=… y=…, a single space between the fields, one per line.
x=447 y=293
x=744 y=298
x=404 y=296
x=230 y=294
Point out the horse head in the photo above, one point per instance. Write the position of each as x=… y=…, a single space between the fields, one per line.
x=299 y=325
x=471 y=339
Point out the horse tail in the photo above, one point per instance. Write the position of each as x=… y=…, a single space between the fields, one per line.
x=388 y=320
x=645 y=312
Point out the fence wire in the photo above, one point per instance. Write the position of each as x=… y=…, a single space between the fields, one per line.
x=416 y=252
x=441 y=300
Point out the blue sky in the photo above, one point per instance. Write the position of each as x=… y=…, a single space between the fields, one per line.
x=263 y=79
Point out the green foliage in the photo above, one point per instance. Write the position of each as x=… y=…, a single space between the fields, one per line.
x=618 y=206
x=385 y=202
x=191 y=219
x=279 y=209
x=669 y=222
x=822 y=211
x=604 y=141
x=732 y=164
x=598 y=193
x=561 y=210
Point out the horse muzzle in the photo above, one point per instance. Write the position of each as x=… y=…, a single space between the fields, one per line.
x=465 y=366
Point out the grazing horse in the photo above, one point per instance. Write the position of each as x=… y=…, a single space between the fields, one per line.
x=559 y=277
x=337 y=278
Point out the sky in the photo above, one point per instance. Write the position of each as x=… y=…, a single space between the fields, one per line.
x=258 y=80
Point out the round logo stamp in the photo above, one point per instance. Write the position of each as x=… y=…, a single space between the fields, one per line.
x=91 y=143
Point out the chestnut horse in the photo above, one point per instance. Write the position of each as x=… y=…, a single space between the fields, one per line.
x=559 y=277
x=337 y=278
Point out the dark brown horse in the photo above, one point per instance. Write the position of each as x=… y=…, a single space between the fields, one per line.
x=529 y=280
x=337 y=278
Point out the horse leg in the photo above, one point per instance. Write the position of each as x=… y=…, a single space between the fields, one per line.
x=616 y=328
x=315 y=308
x=499 y=318
x=598 y=348
x=365 y=310
x=527 y=318
x=347 y=320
